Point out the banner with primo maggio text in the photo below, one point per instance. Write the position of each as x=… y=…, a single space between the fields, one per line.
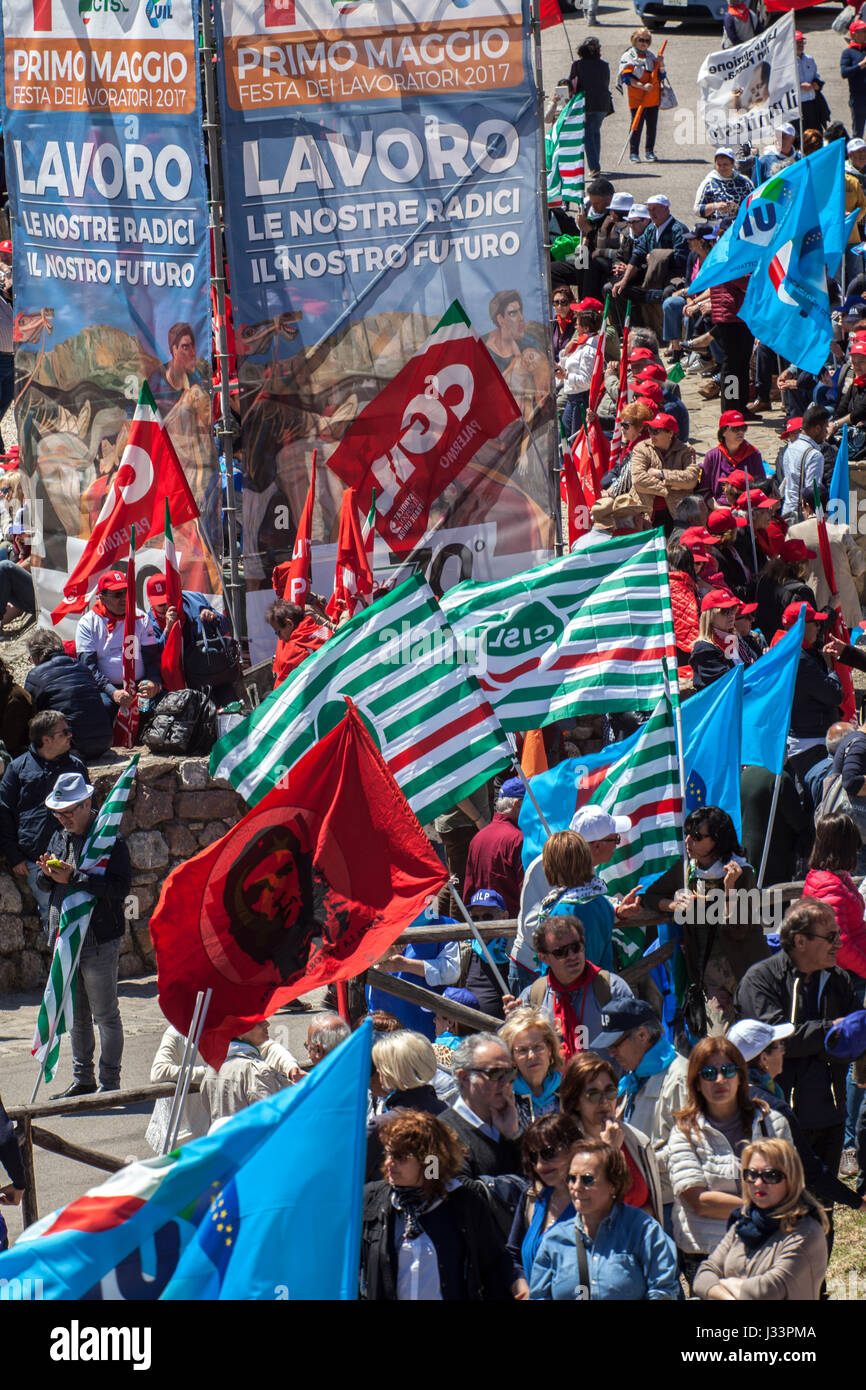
x=102 y=135
x=382 y=161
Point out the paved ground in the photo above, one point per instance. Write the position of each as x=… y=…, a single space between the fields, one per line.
x=122 y=1133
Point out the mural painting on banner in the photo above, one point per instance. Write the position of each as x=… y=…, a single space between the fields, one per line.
x=381 y=162
x=104 y=159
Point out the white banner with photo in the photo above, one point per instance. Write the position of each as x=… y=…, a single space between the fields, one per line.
x=744 y=92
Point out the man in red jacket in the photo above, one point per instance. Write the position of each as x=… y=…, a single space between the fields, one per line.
x=495 y=854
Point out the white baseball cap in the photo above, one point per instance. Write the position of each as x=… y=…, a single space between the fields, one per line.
x=638 y=211
x=752 y=1036
x=621 y=202
x=726 y=151
x=784 y=129
x=854 y=145
x=594 y=824
x=660 y=199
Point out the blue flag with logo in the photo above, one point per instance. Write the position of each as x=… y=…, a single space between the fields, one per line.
x=840 y=485
x=287 y=1224
x=786 y=305
x=768 y=693
x=762 y=216
x=712 y=722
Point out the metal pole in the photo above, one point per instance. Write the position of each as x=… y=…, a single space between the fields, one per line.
x=234 y=589
x=551 y=471
x=678 y=724
x=766 y=851
x=481 y=942
x=185 y=1061
x=171 y=1138
x=531 y=794
x=751 y=523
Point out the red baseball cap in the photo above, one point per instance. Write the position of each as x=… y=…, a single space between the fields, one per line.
x=11 y=459
x=662 y=422
x=641 y=355
x=792 y=612
x=729 y=419
x=856 y=26
x=111 y=581
x=800 y=38
x=697 y=535
x=653 y=371
x=156 y=586
x=5 y=248
x=796 y=550
x=738 y=478
x=857 y=343
x=758 y=499
x=719 y=598
x=723 y=519
x=746 y=610
x=649 y=391
x=795 y=424
x=586 y=305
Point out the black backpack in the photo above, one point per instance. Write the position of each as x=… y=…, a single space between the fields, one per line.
x=184 y=721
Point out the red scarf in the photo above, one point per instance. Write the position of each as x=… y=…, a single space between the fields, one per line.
x=564 y=1011
x=771 y=538
x=110 y=620
x=741 y=452
x=860 y=381
x=739 y=11
x=579 y=341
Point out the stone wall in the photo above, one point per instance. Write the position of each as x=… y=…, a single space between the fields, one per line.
x=175 y=810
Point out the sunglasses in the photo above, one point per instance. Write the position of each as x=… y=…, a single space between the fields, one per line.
x=496 y=1073
x=547 y=1153
x=818 y=936
x=572 y=948
x=771 y=1176
x=728 y=1071
x=581 y=1180
x=595 y=1095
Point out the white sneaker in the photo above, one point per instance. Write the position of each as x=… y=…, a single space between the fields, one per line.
x=693 y=364
x=849 y=1167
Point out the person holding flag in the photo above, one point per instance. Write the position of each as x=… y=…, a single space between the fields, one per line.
x=208 y=656
x=577 y=361
x=99 y=644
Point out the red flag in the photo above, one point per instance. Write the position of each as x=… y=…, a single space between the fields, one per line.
x=291 y=579
x=303 y=891
x=598 y=440
x=577 y=507
x=586 y=469
x=171 y=661
x=149 y=474
x=549 y=13
x=423 y=429
x=353 y=576
x=126 y=720
x=616 y=448
x=777 y=5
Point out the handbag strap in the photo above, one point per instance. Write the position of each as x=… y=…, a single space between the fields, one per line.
x=582 y=1261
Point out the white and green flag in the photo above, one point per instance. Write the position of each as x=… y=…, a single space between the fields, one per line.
x=565 y=155
x=588 y=633
x=398 y=662
x=56 y=1010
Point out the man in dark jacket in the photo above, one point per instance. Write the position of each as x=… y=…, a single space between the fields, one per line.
x=96 y=990
x=484 y=1117
x=852 y=65
x=802 y=985
x=60 y=682
x=208 y=658
x=25 y=825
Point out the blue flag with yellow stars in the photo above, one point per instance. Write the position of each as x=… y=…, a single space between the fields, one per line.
x=287 y=1224
x=712 y=722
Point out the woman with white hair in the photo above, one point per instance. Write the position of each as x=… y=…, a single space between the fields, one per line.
x=535 y=1052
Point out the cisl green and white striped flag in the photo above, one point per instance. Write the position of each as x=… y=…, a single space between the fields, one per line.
x=56 y=1010
x=565 y=155
x=397 y=660
x=585 y=634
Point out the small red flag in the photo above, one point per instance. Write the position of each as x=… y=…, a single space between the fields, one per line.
x=303 y=891
x=598 y=441
x=616 y=446
x=549 y=13
x=291 y=579
x=126 y=719
x=171 y=661
x=353 y=577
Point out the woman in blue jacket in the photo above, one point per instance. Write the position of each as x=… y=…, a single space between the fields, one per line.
x=612 y=1251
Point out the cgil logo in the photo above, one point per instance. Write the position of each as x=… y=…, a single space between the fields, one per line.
x=76 y=1343
x=156 y=11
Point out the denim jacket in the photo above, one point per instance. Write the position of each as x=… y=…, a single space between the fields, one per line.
x=630 y=1259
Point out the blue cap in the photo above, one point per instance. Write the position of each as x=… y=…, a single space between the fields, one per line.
x=488 y=897
x=513 y=787
x=620 y=1018
x=461 y=996
x=848 y=1039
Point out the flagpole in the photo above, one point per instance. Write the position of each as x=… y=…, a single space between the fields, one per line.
x=531 y=794
x=766 y=850
x=184 y=1092
x=57 y=1017
x=187 y=1051
x=234 y=589
x=639 y=110
x=751 y=524
x=481 y=942
x=556 y=501
x=678 y=740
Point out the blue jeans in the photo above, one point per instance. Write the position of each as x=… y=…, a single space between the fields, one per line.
x=672 y=317
x=592 y=139
x=853 y=1094
x=519 y=978
x=16 y=587
x=96 y=1002
x=571 y=413
x=42 y=895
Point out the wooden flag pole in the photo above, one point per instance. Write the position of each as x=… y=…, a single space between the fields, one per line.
x=481 y=942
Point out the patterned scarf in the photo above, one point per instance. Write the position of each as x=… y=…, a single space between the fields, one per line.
x=411 y=1202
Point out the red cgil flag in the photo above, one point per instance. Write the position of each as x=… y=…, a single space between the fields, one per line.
x=573 y=493
x=150 y=474
x=599 y=443
x=126 y=719
x=616 y=446
x=171 y=661
x=291 y=579
x=302 y=892
x=353 y=577
x=549 y=13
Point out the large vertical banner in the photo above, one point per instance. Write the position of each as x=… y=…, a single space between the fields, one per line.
x=381 y=161
x=105 y=165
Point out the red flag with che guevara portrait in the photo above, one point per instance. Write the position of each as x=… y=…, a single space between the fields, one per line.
x=311 y=887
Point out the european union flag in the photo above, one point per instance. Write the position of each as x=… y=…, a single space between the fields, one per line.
x=768 y=693
x=711 y=722
x=287 y=1225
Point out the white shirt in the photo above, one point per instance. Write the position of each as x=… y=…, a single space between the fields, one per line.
x=660 y=229
x=578 y=365
x=474 y=1120
x=802 y=450
x=93 y=636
